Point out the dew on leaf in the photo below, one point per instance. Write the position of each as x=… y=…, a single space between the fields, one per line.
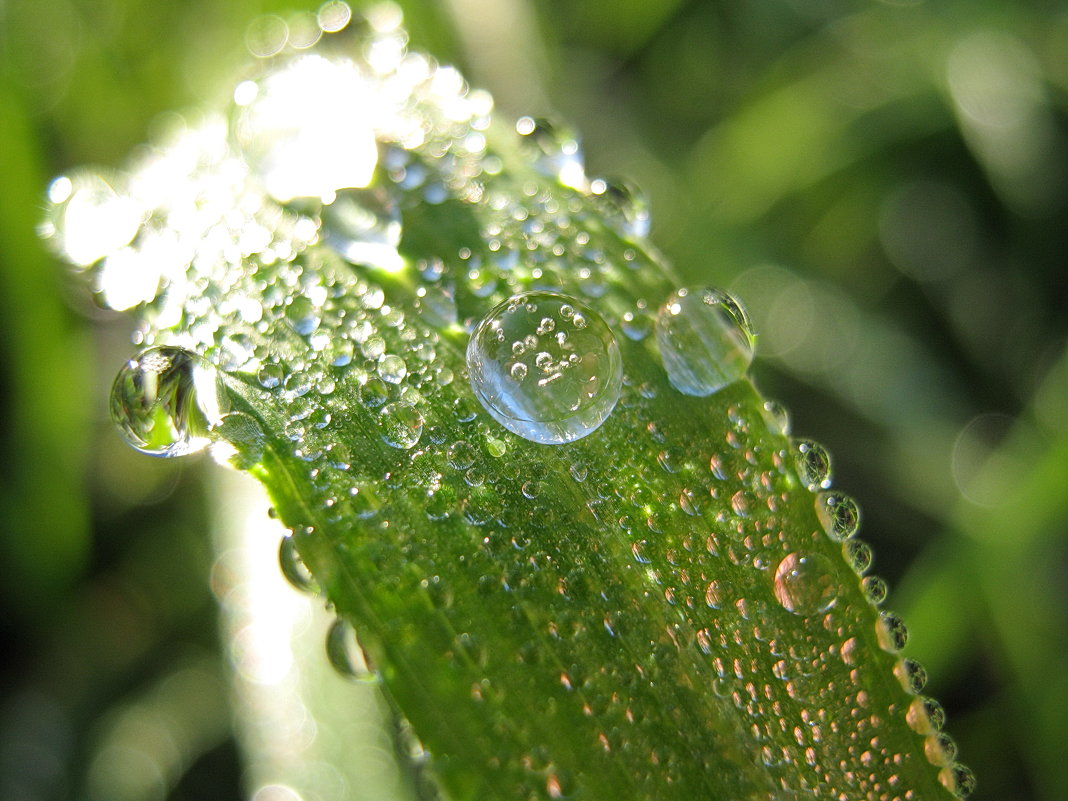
x=166 y=400
x=392 y=368
x=556 y=150
x=400 y=424
x=546 y=367
x=838 y=514
x=345 y=653
x=625 y=205
x=705 y=340
x=364 y=227
x=805 y=584
x=293 y=567
x=813 y=464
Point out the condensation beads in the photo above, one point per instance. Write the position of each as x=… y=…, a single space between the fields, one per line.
x=705 y=340
x=165 y=401
x=546 y=367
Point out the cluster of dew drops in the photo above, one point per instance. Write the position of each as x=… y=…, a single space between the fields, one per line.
x=226 y=237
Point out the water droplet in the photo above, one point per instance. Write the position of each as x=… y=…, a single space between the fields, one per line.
x=705 y=340
x=271 y=376
x=165 y=401
x=556 y=151
x=302 y=315
x=813 y=464
x=345 y=653
x=546 y=367
x=858 y=553
x=962 y=780
x=401 y=425
x=777 y=417
x=626 y=206
x=875 y=588
x=392 y=368
x=839 y=514
x=293 y=567
x=805 y=584
x=913 y=675
x=364 y=227
x=891 y=632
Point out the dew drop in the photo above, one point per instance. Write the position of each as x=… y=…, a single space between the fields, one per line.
x=293 y=567
x=875 y=589
x=705 y=340
x=400 y=424
x=546 y=367
x=345 y=653
x=804 y=584
x=838 y=514
x=555 y=150
x=165 y=402
x=813 y=464
x=891 y=632
x=859 y=555
x=271 y=376
x=364 y=227
x=625 y=204
x=392 y=368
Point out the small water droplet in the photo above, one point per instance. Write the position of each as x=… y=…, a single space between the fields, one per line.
x=271 y=376
x=859 y=555
x=891 y=632
x=777 y=417
x=364 y=227
x=805 y=584
x=838 y=514
x=293 y=567
x=556 y=150
x=392 y=368
x=400 y=424
x=961 y=780
x=705 y=340
x=345 y=653
x=813 y=464
x=166 y=400
x=875 y=588
x=626 y=206
x=913 y=675
x=546 y=367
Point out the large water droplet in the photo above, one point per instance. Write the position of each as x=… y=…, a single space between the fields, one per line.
x=813 y=464
x=805 y=584
x=705 y=340
x=165 y=402
x=546 y=367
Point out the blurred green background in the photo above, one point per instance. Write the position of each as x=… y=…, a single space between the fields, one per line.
x=884 y=184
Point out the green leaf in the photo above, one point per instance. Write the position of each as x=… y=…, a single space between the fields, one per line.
x=664 y=605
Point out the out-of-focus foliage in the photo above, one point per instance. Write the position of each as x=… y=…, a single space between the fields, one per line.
x=883 y=184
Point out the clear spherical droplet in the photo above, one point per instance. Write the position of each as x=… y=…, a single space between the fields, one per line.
x=165 y=402
x=705 y=340
x=625 y=205
x=546 y=367
x=293 y=567
x=813 y=464
x=555 y=150
x=805 y=584
x=401 y=425
x=345 y=653
x=838 y=513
